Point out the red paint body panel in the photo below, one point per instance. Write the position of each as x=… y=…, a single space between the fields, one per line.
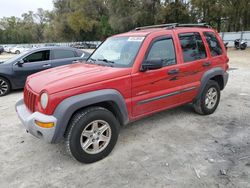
x=135 y=86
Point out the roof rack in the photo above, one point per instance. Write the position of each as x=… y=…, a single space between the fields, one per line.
x=205 y=25
x=157 y=26
x=173 y=25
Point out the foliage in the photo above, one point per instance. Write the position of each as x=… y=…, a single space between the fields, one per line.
x=76 y=20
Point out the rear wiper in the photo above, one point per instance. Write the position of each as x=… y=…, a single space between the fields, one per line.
x=106 y=61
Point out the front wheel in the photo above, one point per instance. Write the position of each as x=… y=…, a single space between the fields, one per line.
x=92 y=134
x=209 y=100
x=4 y=87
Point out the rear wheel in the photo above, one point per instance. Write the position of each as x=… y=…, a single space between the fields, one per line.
x=4 y=86
x=92 y=134
x=209 y=100
x=243 y=46
x=17 y=52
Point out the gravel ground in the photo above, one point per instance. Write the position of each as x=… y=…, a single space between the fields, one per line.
x=175 y=148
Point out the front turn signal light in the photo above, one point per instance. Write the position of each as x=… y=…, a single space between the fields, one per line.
x=45 y=125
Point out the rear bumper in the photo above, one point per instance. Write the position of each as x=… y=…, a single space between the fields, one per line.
x=225 y=78
x=28 y=120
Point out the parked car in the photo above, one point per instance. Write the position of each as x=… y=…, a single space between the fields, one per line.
x=1 y=50
x=8 y=48
x=13 y=72
x=20 y=48
x=130 y=76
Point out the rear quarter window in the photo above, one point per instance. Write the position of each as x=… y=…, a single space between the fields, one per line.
x=62 y=54
x=213 y=43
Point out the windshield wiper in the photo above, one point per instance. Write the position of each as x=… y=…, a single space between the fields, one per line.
x=91 y=60
x=106 y=61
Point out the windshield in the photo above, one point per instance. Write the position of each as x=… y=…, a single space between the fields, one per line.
x=117 y=51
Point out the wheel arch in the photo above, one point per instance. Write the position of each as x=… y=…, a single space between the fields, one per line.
x=217 y=74
x=110 y=99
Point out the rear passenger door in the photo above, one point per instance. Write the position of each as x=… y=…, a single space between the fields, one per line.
x=194 y=60
x=63 y=57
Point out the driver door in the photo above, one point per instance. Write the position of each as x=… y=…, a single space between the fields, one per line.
x=155 y=90
x=31 y=64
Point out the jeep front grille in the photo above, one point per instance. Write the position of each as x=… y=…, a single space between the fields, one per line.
x=29 y=99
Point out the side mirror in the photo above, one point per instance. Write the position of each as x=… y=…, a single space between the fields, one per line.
x=20 y=63
x=151 y=65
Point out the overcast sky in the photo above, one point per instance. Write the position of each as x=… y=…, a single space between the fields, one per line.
x=18 y=7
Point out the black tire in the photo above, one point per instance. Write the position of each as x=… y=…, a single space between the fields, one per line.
x=243 y=46
x=5 y=86
x=17 y=52
x=200 y=106
x=79 y=123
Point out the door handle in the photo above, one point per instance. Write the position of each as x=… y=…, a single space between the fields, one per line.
x=46 y=65
x=206 y=64
x=173 y=71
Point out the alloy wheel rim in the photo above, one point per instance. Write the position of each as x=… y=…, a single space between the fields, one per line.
x=95 y=137
x=3 y=87
x=211 y=98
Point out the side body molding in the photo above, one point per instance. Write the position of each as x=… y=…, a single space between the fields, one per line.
x=67 y=107
x=217 y=71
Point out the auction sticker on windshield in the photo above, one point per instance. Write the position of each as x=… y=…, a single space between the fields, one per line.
x=136 y=39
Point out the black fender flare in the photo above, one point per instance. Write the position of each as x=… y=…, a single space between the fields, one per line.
x=69 y=106
x=217 y=71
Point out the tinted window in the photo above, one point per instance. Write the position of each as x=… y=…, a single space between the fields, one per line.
x=37 y=56
x=213 y=43
x=163 y=50
x=61 y=54
x=192 y=47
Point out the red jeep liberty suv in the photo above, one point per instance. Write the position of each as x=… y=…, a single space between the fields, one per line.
x=130 y=76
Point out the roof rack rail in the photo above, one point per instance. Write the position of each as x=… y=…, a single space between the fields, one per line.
x=195 y=25
x=157 y=26
x=173 y=25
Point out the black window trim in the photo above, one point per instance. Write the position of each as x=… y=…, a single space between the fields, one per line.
x=156 y=39
x=204 y=43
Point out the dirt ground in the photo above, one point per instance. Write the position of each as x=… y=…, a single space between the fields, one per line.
x=175 y=148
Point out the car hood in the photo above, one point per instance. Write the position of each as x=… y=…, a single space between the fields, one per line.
x=71 y=76
x=5 y=65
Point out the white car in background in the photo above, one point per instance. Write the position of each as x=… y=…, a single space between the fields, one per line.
x=20 y=48
x=7 y=48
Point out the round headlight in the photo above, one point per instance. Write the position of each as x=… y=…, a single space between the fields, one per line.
x=44 y=100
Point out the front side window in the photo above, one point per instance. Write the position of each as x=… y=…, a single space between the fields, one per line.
x=62 y=54
x=213 y=44
x=192 y=47
x=163 y=50
x=37 y=56
x=117 y=51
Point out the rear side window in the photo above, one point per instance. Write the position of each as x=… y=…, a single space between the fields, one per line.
x=37 y=56
x=213 y=44
x=163 y=50
x=192 y=47
x=62 y=54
